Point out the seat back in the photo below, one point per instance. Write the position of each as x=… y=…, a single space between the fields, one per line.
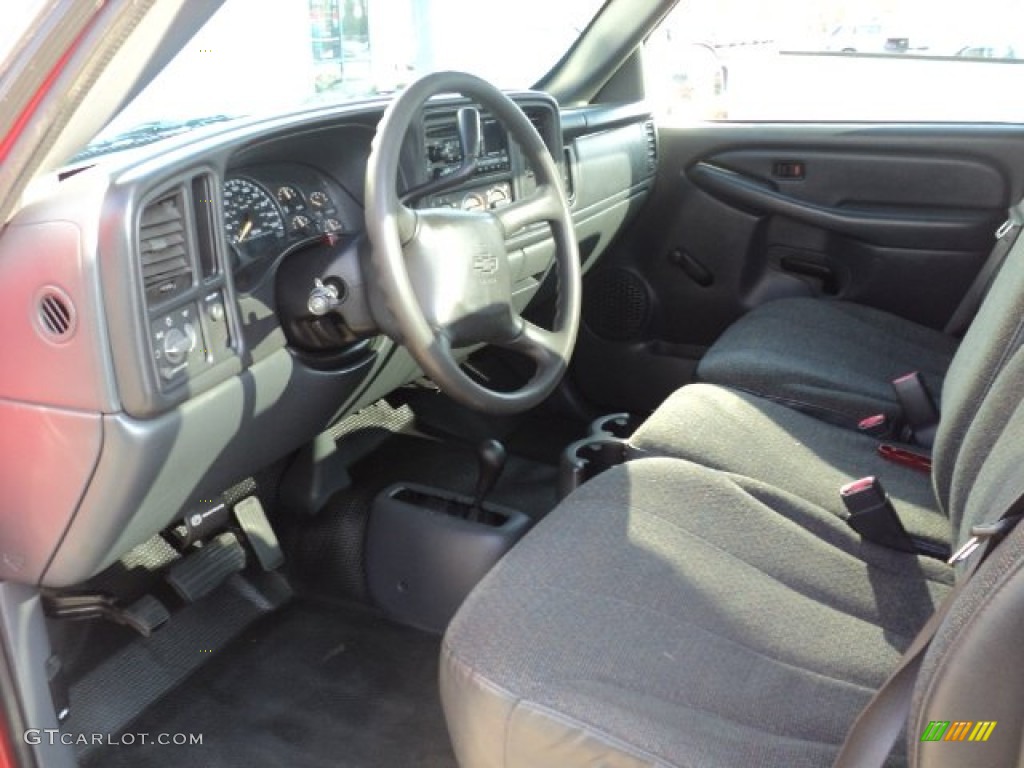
x=996 y=333
x=974 y=669
x=989 y=471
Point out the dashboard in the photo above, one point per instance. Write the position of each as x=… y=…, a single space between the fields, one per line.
x=175 y=282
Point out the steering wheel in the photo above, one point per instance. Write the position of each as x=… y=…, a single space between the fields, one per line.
x=441 y=278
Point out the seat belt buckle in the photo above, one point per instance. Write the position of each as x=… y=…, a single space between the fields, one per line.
x=872 y=515
x=878 y=425
x=919 y=461
x=919 y=410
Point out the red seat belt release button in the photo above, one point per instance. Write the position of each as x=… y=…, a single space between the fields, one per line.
x=875 y=426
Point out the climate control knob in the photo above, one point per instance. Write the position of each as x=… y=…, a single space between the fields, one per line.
x=178 y=343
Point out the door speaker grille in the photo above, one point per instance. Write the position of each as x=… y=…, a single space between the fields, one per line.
x=56 y=314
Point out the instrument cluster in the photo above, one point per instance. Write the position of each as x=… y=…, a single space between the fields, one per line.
x=268 y=209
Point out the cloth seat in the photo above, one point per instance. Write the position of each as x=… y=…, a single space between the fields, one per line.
x=750 y=435
x=833 y=359
x=670 y=614
x=747 y=435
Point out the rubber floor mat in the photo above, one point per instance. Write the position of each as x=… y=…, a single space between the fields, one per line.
x=314 y=684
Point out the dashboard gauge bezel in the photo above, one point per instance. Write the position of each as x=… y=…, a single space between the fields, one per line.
x=251 y=248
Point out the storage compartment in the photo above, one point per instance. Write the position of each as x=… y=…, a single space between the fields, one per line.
x=426 y=548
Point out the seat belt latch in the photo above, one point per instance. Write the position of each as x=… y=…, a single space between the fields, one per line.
x=919 y=410
x=872 y=515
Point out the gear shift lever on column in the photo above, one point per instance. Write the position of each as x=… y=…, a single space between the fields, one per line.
x=491 y=456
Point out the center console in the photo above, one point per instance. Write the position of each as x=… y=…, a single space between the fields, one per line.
x=426 y=548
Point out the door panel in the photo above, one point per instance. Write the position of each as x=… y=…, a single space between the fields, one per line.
x=898 y=217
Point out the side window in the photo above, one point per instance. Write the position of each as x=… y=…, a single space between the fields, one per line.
x=871 y=60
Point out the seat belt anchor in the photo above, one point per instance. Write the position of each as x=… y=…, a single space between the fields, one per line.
x=982 y=533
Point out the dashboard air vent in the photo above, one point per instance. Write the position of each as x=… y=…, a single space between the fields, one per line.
x=56 y=314
x=652 y=146
x=163 y=248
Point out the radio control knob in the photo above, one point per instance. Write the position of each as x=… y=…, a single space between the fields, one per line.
x=177 y=344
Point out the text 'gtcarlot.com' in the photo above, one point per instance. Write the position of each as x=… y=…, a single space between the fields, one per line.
x=53 y=736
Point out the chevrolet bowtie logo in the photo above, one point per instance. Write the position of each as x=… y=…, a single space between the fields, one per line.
x=485 y=264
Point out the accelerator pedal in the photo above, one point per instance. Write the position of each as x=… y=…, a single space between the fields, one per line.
x=207 y=568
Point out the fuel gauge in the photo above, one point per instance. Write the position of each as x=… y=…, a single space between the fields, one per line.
x=498 y=196
x=473 y=202
x=287 y=195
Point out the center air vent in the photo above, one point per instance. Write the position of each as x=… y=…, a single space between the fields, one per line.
x=163 y=248
x=652 y=146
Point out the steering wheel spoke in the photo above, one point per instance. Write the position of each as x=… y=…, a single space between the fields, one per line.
x=405 y=221
x=543 y=346
x=543 y=205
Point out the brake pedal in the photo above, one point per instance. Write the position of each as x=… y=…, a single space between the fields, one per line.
x=207 y=568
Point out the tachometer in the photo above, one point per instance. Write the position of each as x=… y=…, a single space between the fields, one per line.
x=250 y=212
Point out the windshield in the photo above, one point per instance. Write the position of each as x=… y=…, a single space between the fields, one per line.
x=282 y=55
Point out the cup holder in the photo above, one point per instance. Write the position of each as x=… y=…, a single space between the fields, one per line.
x=617 y=425
x=605 y=447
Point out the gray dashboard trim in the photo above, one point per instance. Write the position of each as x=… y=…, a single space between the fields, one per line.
x=68 y=374
x=152 y=470
x=47 y=457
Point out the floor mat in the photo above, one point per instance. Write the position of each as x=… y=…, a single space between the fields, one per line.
x=137 y=673
x=312 y=685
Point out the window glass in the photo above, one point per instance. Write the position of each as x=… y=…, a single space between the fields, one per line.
x=877 y=60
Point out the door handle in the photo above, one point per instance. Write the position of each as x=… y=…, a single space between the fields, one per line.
x=823 y=272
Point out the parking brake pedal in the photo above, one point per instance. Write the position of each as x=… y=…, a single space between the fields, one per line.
x=207 y=568
x=144 y=615
x=260 y=534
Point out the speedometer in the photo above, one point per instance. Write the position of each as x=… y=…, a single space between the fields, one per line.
x=250 y=212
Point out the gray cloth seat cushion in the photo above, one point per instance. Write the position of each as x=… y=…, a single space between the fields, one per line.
x=830 y=358
x=668 y=614
x=761 y=439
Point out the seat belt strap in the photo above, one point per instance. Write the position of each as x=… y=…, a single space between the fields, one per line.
x=879 y=724
x=1006 y=236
